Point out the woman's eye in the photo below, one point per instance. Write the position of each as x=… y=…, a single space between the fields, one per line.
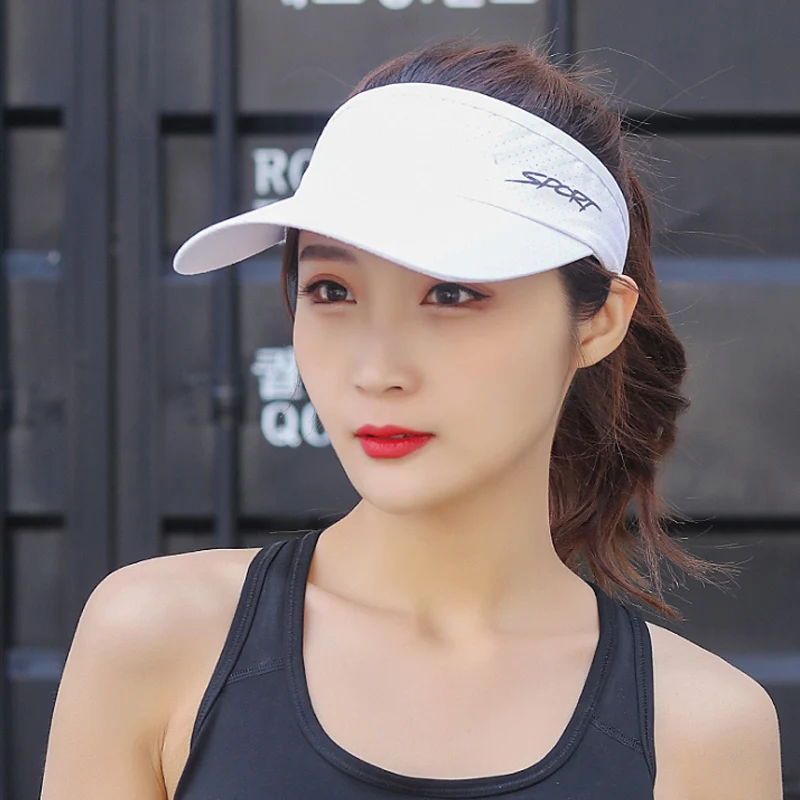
x=450 y=294
x=328 y=292
x=333 y=292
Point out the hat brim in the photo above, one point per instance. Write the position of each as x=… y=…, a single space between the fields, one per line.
x=446 y=237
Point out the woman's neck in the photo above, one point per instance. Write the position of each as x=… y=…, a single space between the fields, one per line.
x=480 y=563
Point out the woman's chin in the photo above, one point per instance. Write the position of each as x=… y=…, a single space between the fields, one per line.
x=401 y=494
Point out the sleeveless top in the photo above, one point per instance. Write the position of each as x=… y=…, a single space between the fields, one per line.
x=256 y=736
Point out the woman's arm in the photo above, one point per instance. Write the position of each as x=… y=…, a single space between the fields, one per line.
x=716 y=728
x=113 y=700
x=738 y=746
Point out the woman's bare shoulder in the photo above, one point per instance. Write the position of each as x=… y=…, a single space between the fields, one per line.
x=691 y=672
x=167 y=605
x=147 y=637
x=714 y=721
x=159 y=616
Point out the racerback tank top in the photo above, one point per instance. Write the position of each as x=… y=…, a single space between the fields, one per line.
x=256 y=736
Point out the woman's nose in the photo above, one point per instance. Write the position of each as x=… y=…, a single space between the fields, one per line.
x=384 y=359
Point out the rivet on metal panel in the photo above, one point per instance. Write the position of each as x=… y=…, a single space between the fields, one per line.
x=226 y=398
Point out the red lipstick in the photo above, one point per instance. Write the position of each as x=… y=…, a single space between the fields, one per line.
x=377 y=442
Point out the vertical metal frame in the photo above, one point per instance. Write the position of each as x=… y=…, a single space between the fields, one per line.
x=5 y=422
x=138 y=204
x=87 y=279
x=227 y=391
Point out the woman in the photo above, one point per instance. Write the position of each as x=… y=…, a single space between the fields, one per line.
x=476 y=321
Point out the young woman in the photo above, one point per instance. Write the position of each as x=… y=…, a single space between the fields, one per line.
x=477 y=324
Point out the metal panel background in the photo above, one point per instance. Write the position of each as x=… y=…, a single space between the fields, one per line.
x=39 y=358
x=318 y=76
x=31 y=708
x=39 y=617
x=277 y=75
x=40 y=620
x=37 y=188
x=724 y=195
x=188 y=430
x=186 y=64
x=39 y=47
x=694 y=55
x=186 y=164
x=5 y=422
x=139 y=340
x=87 y=495
x=738 y=451
x=56 y=275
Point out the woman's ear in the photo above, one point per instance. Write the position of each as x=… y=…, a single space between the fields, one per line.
x=603 y=333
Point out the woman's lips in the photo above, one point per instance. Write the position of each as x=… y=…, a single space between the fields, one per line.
x=390 y=441
x=385 y=447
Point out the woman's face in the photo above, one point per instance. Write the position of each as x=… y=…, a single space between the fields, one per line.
x=380 y=344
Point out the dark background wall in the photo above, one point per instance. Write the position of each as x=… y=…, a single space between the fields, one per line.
x=145 y=413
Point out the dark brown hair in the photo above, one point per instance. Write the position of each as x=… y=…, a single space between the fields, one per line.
x=618 y=420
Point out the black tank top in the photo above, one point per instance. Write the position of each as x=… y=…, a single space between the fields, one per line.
x=256 y=736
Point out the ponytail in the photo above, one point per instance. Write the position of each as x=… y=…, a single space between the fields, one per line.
x=618 y=422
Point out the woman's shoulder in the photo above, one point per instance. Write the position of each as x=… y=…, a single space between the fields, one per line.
x=157 y=623
x=716 y=721
x=165 y=604
x=146 y=641
x=689 y=671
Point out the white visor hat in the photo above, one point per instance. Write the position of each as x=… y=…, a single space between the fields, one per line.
x=445 y=181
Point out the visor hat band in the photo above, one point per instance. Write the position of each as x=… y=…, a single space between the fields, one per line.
x=443 y=180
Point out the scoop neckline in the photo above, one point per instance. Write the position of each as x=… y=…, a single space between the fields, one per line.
x=481 y=786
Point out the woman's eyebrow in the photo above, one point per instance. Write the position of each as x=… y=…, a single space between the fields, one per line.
x=326 y=252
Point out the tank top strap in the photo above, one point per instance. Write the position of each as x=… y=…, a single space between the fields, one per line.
x=255 y=640
x=643 y=657
x=626 y=709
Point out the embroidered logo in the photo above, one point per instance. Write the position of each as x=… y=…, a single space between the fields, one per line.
x=542 y=181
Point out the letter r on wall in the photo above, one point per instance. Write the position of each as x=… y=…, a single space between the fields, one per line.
x=270 y=171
